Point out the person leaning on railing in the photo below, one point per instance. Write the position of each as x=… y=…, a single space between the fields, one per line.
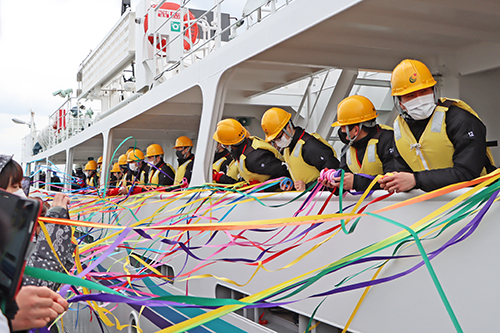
x=258 y=161
x=368 y=146
x=438 y=141
x=305 y=154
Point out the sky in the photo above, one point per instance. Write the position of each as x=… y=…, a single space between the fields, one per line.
x=42 y=44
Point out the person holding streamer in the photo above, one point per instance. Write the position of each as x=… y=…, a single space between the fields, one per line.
x=116 y=175
x=438 y=141
x=92 y=179
x=368 y=146
x=160 y=173
x=225 y=170
x=99 y=166
x=305 y=154
x=257 y=160
x=33 y=306
x=126 y=174
x=136 y=174
x=185 y=157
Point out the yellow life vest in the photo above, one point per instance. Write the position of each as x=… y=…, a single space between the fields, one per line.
x=298 y=168
x=142 y=178
x=257 y=143
x=92 y=181
x=371 y=164
x=217 y=164
x=154 y=176
x=434 y=150
x=232 y=170
x=123 y=182
x=181 y=171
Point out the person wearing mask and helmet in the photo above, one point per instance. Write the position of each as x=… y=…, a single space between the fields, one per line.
x=116 y=175
x=438 y=141
x=224 y=166
x=160 y=173
x=126 y=175
x=33 y=306
x=305 y=154
x=90 y=174
x=368 y=146
x=257 y=160
x=79 y=179
x=99 y=166
x=185 y=158
x=222 y=158
x=137 y=172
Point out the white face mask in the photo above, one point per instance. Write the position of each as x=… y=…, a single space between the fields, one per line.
x=20 y=193
x=282 y=142
x=420 y=107
x=133 y=166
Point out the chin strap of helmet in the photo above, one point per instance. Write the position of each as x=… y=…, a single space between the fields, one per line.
x=351 y=140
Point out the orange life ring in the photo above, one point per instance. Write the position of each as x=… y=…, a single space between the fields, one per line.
x=166 y=11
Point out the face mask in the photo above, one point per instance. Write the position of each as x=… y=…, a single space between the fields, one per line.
x=20 y=193
x=282 y=142
x=420 y=107
x=179 y=154
x=228 y=148
x=343 y=137
x=133 y=166
x=87 y=174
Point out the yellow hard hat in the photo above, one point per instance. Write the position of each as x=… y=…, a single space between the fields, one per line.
x=122 y=160
x=409 y=76
x=91 y=165
x=154 y=150
x=183 y=141
x=354 y=110
x=273 y=122
x=116 y=168
x=99 y=160
x=230 y=132
x=135 y=155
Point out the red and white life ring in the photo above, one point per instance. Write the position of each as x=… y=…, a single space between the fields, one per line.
x=166 y=11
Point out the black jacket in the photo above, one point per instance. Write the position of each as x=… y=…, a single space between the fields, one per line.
x=468 y=135
x=385 y=149
x=314 y=152
x=225 y=164
x=261 y=161
x=166 y=176
x=189 y=167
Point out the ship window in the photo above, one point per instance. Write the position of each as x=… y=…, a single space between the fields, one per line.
x=277 y=318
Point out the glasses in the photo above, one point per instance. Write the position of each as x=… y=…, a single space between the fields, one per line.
x=279 y=136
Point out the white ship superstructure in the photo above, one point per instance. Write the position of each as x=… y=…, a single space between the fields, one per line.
x=304 y=56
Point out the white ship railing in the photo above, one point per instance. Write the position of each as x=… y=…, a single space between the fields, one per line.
x=69 y=119
x=207 y=44
x=117 y=51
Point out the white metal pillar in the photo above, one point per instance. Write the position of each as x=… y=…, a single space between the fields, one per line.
x=48 y=175
x=214 y=95
x=341 y=91
x=107 y=152
x=68 y=169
